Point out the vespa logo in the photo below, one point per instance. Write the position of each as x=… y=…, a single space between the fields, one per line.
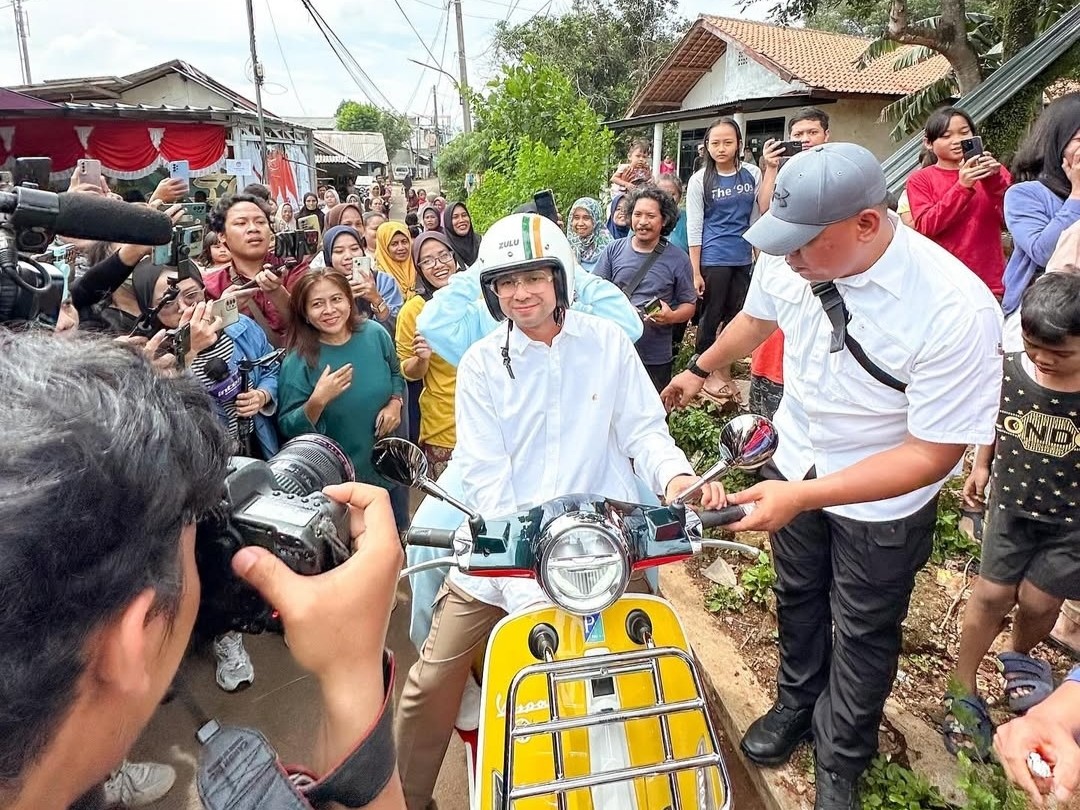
x=521 y=709
x=509 y=243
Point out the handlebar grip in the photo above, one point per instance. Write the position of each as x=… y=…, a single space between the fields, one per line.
x=432 y=538
x=722 y=517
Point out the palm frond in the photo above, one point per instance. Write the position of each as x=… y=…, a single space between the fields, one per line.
x=912 y=110
x=915 y=55
x=875 y=50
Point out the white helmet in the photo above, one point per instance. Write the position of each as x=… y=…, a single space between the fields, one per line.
x=525 y=242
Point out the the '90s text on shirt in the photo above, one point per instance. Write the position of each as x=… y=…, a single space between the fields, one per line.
x=919 y=314
x=719 y=209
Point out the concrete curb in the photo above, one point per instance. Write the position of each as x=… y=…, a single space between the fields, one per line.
x=733 y=689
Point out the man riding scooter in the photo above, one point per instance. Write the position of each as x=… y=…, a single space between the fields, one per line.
x=557 y=402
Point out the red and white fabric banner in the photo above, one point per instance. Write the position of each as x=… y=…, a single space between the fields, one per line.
x=127 y=150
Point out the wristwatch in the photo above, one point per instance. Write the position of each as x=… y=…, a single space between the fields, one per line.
x=697 y=370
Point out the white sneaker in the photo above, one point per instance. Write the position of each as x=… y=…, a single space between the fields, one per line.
x=233 y=663
x=137 y=784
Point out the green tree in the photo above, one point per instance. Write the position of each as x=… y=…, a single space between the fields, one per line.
x=607 y=48
x=533 y=131
x=352 y=116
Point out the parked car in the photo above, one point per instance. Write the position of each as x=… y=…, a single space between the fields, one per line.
x=401 y=172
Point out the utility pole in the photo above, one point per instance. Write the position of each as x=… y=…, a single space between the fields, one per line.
x=435 y=102
x=257 y=70
x=466 y=115
x=24 y=50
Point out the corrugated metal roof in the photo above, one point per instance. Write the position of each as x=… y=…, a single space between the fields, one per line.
x=998 y=88
x=365 y=147
x=818 y=59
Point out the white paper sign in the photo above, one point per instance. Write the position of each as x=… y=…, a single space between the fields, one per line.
x=238 y=167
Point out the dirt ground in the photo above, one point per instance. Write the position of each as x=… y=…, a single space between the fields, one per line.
x=931 y=640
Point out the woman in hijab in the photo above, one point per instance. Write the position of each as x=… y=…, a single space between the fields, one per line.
x=286 y=220
x=393 y=255
x=440 y=204
x=430 y=218
x=377 y=294
x=433 y=256
x=345 y=214
x=586 y=236
x=458 y=228
x=618 y=224
x=311 y=208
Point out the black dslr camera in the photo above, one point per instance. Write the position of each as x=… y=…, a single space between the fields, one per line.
x=279 y=505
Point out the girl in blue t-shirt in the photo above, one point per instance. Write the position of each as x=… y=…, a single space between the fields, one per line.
x=722 y=199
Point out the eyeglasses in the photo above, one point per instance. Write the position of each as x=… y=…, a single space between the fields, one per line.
x=188 y=299
x=506 y=286
x=446 y=257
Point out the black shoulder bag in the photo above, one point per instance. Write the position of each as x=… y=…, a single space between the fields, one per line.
x=630 y=288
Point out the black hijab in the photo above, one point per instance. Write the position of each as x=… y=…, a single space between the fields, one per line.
x=466 y=247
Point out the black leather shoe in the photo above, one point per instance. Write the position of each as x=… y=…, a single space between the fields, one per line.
x=772 y=738
x=834 y=792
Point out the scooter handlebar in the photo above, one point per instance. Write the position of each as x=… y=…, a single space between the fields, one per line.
x=722 y=517
x=432 y=538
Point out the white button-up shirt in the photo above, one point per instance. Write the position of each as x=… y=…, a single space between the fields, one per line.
x=921 y=315
x=574 y=415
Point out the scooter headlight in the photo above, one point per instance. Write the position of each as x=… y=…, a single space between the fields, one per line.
x=584 y=567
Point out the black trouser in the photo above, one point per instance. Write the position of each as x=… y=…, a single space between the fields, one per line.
x=725 y=292
x=842 y=592
x=660 y=374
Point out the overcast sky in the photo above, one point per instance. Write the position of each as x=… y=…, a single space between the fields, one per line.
x=72 y=38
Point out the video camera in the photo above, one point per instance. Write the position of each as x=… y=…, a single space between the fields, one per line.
x=30 y=217
x=30 y=289
x=296 y=244
x=279 y=505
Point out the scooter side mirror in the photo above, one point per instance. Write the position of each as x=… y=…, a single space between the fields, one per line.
x=746 y=443
x=400 y=461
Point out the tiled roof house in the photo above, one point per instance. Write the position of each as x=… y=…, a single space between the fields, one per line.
x=761 y=73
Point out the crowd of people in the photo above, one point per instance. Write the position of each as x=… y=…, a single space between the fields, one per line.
x=874 y=329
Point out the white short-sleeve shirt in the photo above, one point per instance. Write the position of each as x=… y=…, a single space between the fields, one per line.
x=920 y=315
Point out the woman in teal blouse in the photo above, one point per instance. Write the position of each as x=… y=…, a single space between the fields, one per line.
x=341 y=377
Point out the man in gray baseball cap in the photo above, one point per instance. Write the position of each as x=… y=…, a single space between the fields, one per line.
x=821 y=187
x=891 y=368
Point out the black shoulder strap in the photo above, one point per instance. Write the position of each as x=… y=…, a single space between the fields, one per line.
x=630 y=288
x=838 y=315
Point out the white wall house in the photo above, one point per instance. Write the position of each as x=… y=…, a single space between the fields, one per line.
x=760 y=74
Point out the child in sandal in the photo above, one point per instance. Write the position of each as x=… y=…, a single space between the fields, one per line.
x=1031 y=543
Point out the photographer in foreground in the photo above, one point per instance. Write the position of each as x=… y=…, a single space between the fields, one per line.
x=100 y=586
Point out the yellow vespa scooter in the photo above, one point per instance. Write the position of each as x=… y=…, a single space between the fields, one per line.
x=592 y=702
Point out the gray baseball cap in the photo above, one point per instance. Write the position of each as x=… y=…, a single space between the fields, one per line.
x=817 y=188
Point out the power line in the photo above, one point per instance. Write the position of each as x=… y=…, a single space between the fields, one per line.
x=281 y=50
x=417 y=33
x=356 y=72
x=445 y=18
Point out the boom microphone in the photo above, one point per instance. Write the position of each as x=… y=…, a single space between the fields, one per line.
x=86 y=216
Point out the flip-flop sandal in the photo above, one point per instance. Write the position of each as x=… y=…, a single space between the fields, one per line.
x=726 y=393
x=1063 y=646
x=967 y=727
x=1028 y=681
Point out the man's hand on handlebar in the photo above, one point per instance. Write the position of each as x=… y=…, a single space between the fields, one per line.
x=776 y=504
x=711 y=496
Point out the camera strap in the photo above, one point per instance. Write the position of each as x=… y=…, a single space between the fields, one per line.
x=239 y=769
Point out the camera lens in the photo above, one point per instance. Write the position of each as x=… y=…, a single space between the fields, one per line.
x=310 y=462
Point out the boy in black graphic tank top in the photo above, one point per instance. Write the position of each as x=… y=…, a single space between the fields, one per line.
x=1031 y=545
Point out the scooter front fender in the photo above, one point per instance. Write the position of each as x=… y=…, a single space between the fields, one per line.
x=618 y=705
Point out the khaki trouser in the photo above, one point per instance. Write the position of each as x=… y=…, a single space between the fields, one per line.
x=1071 y=608
x=431 y=698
